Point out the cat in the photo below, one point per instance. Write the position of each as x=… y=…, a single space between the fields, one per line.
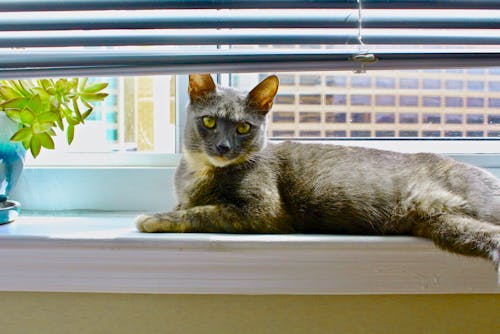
x=231 y=180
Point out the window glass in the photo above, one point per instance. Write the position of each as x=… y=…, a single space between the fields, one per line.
x=138 y=115
x=408 y=83
x=453 y=118
x=454 y=84
x=407 y=103
x=385 y=82
x=361 y=81
x=432 y=84
x=453 y=101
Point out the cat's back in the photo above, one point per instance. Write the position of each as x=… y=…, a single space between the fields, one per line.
x=352 y=186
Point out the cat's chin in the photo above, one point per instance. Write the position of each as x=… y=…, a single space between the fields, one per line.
x=221 y=161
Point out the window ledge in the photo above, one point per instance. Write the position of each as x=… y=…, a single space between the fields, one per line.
x=102 y=252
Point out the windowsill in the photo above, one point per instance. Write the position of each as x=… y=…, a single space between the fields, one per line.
x=102 y=252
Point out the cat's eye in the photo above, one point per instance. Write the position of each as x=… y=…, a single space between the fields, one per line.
x=243 y=128
x=209 y=122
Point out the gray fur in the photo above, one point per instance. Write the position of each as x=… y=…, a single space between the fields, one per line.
x=311 y=188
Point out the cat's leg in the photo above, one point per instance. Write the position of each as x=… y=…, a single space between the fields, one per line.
x=211 y=218
x=462 y=234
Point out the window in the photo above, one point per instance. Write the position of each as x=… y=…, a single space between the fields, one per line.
x=475 y=102
x=385 y=82
x=454 y=84
x=361 y=81
x=384 y=118
x=432 y=84
x=475 y=119
x=361 y=117
x=494 y=86
x=360 y=133
x=475 y=85
x=385 y=100
x=452 y=101
x=336 y=117
x=408 y=83
x=338 y=134
x=283 y=117
x=310 y=117
x=408 y=101
x=310 y=80
x=361 y=100
x=408 y=118
x=453 y=118
x=384 y=133
x=324 y=92
x=310 y=99
x=431 y=133
x=336 y=81
x=431 y=101
x=431 y=118
x=407 y=133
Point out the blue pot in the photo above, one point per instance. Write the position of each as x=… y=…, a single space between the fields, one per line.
x=11 y=166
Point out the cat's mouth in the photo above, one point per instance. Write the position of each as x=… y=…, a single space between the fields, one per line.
x=221 y=161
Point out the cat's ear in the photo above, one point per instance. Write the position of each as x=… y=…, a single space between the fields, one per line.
x=200 y=85
x=262 y=96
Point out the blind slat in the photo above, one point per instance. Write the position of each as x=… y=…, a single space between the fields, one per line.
x=105 y=63
x=217 y=20
x=241 y=37
x=58 y=5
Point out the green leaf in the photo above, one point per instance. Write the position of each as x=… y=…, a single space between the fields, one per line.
x=88 y=105
x=82 y=83
x=70 y=133
x=14 y=115
x=95 y=87
x=74 y=83
x=35 y=145
x=19 y=87
x=72 y=121
x=59 y=122
x=35 y=104
x=45 y=126
x=48 y=117
x=16 y=103
x=46 y=141
x=46 y=84
x=43 y=93
x=27 y=116
x=41 y=127
x=94 y=97
x=22 y=134
x=8 y=93
x=76 y=109
x=87 y=113
x=26 y=143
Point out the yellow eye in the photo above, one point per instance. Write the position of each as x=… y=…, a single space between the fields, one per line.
x=209 y=122
x=243 y=128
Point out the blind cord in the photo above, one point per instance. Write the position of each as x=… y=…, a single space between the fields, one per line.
x=363 y=57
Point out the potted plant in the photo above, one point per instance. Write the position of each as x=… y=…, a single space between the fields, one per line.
x=30 y=113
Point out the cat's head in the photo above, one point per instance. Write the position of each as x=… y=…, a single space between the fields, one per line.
x=225 y=126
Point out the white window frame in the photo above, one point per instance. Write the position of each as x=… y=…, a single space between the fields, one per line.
x=140 y=181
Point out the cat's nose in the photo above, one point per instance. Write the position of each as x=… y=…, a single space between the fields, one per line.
x=223 y=148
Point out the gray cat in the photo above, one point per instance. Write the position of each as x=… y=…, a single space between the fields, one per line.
x=231 y=180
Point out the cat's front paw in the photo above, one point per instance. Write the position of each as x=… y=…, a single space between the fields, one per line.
x=159 y=222
x=145 y=223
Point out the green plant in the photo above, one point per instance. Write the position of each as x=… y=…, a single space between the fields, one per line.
x=39 y=106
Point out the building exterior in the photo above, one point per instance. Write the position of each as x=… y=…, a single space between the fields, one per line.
x=409 y=103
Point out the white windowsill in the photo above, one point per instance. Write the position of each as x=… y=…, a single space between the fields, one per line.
x=102 y=252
